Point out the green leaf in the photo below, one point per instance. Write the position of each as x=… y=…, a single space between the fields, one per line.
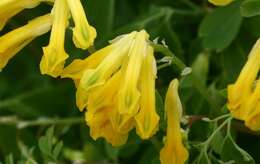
x=250 y=8
x=200 y=68
x=9 y=159
x=219 y=28
x=45 y=142
x=111 y=151
x=57 y=149
x=231 y=151
x=217 y=142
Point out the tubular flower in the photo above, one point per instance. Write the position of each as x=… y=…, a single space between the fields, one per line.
x=9 y=8
x=83 y=33
x=17 y=39
x=220 y=2
x=253 y=115
x=117 y=85
x=244 y=95
x=54 y=56
x=147 y=118
x=173 y=151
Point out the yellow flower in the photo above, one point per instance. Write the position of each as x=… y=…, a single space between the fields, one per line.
x=129 y=95
x=9 y=8
x=54 y=57
x=109 y=65
x=83 y=33
x=220 y=2
x=173 y=151
x=76 y=68
x=101 y=109
x=100 y=126
x=117 y=83
x=240 y=92
x=147 y=119
x=252 y=119
x=15 y=40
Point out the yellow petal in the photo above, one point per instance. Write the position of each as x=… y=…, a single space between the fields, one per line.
x=173 y=151
x=147 y=119
x=77 y=67
x=54 y=57
x=100 y=126
x=6 y=16
x=9 y=8
x=252 y=120
x=239 y=92
x=122 y=123
x=83 y=34
x=109 y=65
x=104 y=95
x=220 y=2
x=129 y=94
x=81 y=98
x=8 y=5
x=10 y=53
x=100 y=97
x=15 y=40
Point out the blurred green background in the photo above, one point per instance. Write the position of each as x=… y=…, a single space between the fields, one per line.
x=213 y=41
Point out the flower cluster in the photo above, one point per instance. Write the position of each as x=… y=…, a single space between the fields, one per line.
x=244 y=94
x=54 y=57
x=116 y=85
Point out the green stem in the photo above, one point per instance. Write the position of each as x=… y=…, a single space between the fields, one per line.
x=219 y=118
x=207 y=142
x=165 y=51
x=20 y=124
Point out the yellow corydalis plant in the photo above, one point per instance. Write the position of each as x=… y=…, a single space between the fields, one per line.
x=54 y=56
x=117 y=83
x=220 y=2
x=244 y=94
x=173 y=151
x=17 y=39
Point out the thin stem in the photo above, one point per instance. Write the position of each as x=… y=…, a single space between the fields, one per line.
x=219 y=118
x=163 y=66
x=165 y=51
x=20 y=124
x=207 y=142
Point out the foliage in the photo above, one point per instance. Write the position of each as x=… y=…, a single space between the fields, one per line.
x=212 y=41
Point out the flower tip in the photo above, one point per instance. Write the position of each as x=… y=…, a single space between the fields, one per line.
x=84 y=38
x=53 y=61
x=220 y=2
x=146 y=134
